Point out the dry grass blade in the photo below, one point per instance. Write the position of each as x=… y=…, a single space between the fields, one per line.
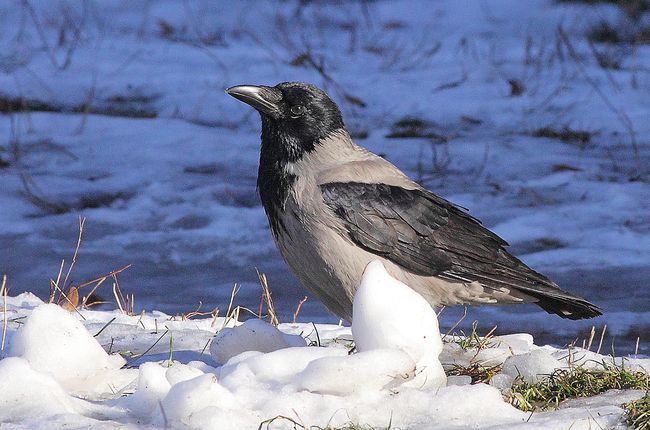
x=602 y=337
x=456 y=324
x=300 y=303
x=296 y=424
x=84 y=300
x=592 y=334
x=58 y=280
x=125 y=304
x=152 y=346
x=483 y=342
x=318 y=343
x=118 y=299
x=3 y=291
x=198 y=313
x=99 y=281
x=442 y=309
x=230 y=312
x=103 y=328
x=82 y=221
x=266 y=297
x=214 y=317
x=121 y=302
x=76 y=31
x=638 y=413
x=68 y=296
x=104 y=277
x=187 y=315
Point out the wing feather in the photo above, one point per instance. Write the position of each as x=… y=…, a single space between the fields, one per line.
x=429 y=236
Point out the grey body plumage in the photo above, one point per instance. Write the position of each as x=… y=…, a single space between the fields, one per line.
x=334 y=206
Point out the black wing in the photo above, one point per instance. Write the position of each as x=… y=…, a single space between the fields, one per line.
x=429 y=236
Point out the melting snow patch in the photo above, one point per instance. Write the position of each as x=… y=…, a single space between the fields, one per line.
x=531 y=366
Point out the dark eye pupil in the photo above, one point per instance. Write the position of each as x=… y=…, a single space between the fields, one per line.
x=297 y=110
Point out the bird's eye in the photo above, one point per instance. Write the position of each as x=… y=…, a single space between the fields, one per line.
x=297 y=110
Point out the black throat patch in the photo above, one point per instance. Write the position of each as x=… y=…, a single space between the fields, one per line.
x=274 y=181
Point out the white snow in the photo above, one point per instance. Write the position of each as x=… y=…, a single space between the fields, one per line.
x=406 y=322
x=252 y=335
x=26 y=393
x=532 y=365
x=55 y=343
x=369 y=371
x=201 y=402
x=313 y=385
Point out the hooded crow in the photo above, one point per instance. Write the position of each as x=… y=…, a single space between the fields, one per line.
x=333 y=207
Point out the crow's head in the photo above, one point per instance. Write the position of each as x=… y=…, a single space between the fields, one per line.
x=295 y=116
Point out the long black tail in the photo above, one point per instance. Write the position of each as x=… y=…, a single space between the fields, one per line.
x=561 y=303
x=510 y=272
x=515 y=273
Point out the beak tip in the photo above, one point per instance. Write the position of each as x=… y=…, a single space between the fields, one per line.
x=262 y=98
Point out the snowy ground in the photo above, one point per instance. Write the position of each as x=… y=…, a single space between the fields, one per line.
x=115 y=110
x=159 y=371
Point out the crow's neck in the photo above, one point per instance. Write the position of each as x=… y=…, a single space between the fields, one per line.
x=275 y=178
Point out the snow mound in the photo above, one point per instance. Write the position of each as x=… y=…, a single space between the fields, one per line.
x=53 y=341
x=152 y=387
x=532 y=366
x=372 y=371
x=278 y=367
x=198 y=400
x=252 y=335
x=389 y=314
x=519 y=343
x=26 y=393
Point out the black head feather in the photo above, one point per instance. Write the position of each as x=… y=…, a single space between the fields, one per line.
x=305 y=115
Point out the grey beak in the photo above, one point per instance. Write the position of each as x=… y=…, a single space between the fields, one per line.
x=264 y=99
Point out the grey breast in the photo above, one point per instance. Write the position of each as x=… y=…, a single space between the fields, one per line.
x=315 y=243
